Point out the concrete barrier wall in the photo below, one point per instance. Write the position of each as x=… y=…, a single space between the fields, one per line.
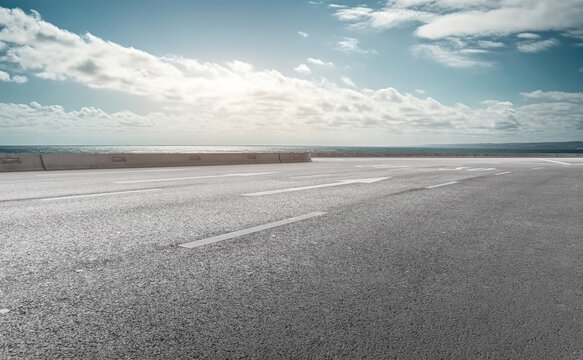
x=113 y=161
x=294 y=157
x=20 y=162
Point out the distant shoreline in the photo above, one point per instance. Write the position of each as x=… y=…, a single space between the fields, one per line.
x=446 y=154
x=465 y=150
x=322 y=154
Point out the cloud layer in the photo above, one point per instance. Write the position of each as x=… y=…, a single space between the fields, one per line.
x=233 y=99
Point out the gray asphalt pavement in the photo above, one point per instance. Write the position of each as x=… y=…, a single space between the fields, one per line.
x=347 y=258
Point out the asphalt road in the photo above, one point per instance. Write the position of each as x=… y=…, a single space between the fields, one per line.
x=339 y=258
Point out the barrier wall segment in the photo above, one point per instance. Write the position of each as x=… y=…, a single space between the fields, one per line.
x=29 y=162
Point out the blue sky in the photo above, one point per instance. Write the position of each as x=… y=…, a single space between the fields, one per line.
x=396 y=72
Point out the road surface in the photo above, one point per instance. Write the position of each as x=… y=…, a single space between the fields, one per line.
x=347 y=258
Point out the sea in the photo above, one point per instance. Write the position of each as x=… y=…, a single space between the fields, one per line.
x=572 y=147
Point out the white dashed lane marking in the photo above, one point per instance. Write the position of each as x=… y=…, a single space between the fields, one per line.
x=300 y=188
x=440 y=185
x=555 y=161
x=254 y=229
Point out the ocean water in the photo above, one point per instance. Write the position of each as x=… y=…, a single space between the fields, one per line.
x=573 y=147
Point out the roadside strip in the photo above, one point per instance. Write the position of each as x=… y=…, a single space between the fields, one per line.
x=254 y=229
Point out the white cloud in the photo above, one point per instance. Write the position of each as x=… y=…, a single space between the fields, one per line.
x=574 y=33
x=320 y=62
x=364 y=17
x=358 y=13
x=236 y=101
x=350 y=45
x=29 y=122
x=19 y=79
x=420 y=91
x=303 y=69
x=341 y=115
x=554 y=96
x=337 y=6
x=240 y=67
x=446 y=18
x=347 y=81
x=487 y=44
x=303 y=34
x=479 y=21
x=536 y=46
x=448 y=5
x=4 y=76
x=87 y=118
x=473 y=51
x=392 y=18
x=507 y=17
x=450 y=57
x=528 y=36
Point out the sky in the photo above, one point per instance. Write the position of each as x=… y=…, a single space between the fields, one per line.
x=290 y=72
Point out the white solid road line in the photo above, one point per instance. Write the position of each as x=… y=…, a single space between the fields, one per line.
x=191 y=178
x=457 y=168
x=383 y=166
x=71 y=173
x=307 y=176
x=440 y=185
x=341 y=182
x=238 y=233
x=105 y=172
x=36 y=180
x=481 y=169
x=99 y=194
x=465 y=168
x=503 y=173
x=165 y=170
x=555 y=161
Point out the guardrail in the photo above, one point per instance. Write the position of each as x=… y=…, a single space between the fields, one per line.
x=40 y=162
